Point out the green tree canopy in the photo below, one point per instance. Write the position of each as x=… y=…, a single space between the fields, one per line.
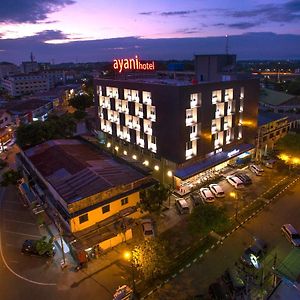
x=150 y=258
x=10 y=177
x=54 y=127
x=43 y=246
x=153 y=198
x=289 y=144
x=81 y=102
x=205 y=218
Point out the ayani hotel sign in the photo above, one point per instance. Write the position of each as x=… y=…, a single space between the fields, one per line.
x=132 y=64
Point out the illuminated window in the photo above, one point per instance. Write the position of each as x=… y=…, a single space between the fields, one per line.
x=124 y=201
x=83 y=218
x=105 y=209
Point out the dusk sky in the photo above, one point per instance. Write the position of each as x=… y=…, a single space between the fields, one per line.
x=31 y=25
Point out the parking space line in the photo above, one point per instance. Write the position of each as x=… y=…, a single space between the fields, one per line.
x=24 y=234
x=15 y=221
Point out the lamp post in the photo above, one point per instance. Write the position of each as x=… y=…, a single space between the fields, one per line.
x=234 y=195
x=128 y=255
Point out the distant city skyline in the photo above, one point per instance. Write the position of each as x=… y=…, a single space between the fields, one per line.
x=119 y=28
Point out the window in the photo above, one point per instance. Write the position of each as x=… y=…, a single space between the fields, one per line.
x=105 y=209
x=153 y=139
x=83 y=218
x=124 y=201
x=189 y=145
x=193 y=129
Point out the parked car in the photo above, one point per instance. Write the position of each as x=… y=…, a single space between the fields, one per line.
x=234 y=279
x=182 y=206
x=235 y=181
x=253 y=255
x=291 y=234
x=148 y=229
x=196 y=198
x=207 y=195
x=269 y=163
x=123 y=292
x=257 y=170
x=244 y=178
x=30 y=247
x=216 y=190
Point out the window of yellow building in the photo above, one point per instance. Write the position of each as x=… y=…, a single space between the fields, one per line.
x=124 y=201
x=83 y=218
x=105 y=209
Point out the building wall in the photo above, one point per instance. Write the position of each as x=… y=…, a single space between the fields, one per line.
x=5 y=120
x=97 y=215
x=173 y=105
x=269 y=134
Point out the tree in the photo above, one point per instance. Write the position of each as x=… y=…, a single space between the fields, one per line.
x=81 y=102
x=150 y=258
x=55 y=127
x=289 y=144
x=79 y=114
x=153 y=198
x=44 y=247
x=205 y=218
x=10 y=177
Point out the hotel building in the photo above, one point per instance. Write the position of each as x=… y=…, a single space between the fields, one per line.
x=180 y=129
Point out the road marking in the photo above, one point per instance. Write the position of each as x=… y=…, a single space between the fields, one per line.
x=9 y=268
x=24 y=234
x=12 y=220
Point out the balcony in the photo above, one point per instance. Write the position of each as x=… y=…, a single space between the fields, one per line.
x=148 y=130
x=189 y=120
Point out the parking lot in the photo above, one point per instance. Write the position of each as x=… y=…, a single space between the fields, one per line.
x=242 y=196
x=17 y=225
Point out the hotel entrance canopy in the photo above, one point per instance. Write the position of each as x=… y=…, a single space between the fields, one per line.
x=198 y=167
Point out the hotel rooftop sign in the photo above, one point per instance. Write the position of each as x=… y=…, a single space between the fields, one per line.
x=132 y=64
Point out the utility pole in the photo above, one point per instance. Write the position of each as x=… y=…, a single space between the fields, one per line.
x=63 y=263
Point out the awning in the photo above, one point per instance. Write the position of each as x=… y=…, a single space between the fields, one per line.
x=198 y=167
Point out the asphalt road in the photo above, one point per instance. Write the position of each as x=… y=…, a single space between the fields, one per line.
x=31 y=277
x=266 y=225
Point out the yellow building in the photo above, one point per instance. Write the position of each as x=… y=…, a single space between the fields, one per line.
x=271 y=127
x=88 y=192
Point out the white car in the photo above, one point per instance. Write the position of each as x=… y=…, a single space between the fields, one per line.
x=256 y=170
x=217 y=190
x=235 y=181
x=207 y=195
x=147 y=227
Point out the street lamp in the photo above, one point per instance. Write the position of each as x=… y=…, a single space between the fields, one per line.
x=128 y=255
x=234 y=195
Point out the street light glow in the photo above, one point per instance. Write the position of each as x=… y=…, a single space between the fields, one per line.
x=127 y=255
x=232 y=194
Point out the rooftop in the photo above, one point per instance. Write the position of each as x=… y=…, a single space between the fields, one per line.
x=77 y=170
x=272 y=97
x=267 y=117
x=27 y=105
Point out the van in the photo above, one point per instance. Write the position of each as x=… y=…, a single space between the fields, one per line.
x=291 y=234
x=256 y=170
x=182 y=206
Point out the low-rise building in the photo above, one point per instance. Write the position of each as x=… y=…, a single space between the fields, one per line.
x=25 y=84
x=271 y=127
x=278 y=102
x=29 y=110
x=93 y=196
